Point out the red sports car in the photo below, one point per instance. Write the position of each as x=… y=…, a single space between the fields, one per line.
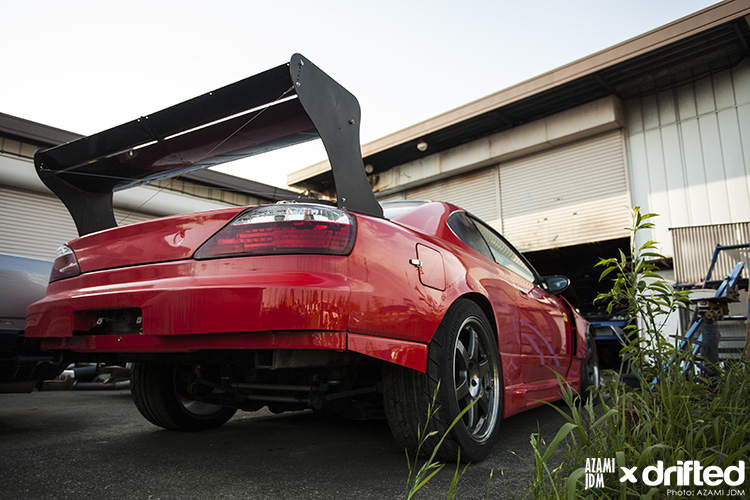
x=364 y=309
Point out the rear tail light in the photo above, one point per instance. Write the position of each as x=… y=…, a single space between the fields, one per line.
x=284 y=229
x=65 y=264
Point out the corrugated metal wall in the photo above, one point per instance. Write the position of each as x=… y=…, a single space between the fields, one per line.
x=477 y=192
x=566 y=196
x=35 y=224
x=689 y=153
x=694 y=247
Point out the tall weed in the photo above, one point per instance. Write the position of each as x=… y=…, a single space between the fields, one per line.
x=674 y=418
x=419 y=475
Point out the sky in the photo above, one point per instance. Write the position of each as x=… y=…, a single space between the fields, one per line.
x=85 y=66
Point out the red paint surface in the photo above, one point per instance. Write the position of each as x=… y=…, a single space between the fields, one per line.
x=401 y=352
x=158 y=240
x=251 y=294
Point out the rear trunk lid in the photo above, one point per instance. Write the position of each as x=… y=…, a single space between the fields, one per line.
x=158 y=240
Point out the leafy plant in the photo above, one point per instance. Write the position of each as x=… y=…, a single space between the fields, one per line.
x=673 y=419
x=648 y=299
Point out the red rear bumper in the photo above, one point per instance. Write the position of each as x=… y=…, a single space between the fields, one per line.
x=273 y=302
x=189 y=297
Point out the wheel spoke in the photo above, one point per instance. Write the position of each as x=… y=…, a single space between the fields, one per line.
x=483 y=405
x=463 y=355
x=470 y=418
x=472 y=348
x=462 y=390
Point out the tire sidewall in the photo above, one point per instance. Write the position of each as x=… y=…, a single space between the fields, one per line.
x=155 y=392
x=449 y=329
x=591 y=359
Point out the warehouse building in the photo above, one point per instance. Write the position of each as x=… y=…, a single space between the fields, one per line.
x=661 y=121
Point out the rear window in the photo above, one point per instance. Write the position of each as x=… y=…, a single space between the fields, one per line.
x=461 y=224
x=393 y=209
x=480 y=237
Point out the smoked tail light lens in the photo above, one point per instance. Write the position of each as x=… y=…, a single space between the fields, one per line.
x=65 y=264
x=283 y=229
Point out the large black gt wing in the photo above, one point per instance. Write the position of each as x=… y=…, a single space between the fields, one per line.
x=286 y=105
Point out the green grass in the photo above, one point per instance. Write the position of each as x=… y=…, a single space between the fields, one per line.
x=680 y=420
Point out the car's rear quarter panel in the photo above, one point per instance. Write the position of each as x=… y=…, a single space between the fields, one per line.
x=388 y=299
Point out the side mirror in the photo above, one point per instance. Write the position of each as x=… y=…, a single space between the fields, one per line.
x=556 y=284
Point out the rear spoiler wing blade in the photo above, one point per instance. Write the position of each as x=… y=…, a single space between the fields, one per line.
x=290 y=104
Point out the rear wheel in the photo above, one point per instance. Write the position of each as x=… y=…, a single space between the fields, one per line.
x=160 y=394
x=590 y=365
x=463 y=373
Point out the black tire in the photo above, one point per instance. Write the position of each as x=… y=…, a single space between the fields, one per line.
x=156 y=390
x=463 y=366
x=590 y=369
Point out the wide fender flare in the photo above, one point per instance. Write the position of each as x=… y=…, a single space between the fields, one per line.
x=580 y=327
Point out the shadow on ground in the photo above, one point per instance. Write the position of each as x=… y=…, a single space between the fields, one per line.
x=96 y=445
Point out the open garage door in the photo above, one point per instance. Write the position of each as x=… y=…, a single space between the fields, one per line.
x=577 y=263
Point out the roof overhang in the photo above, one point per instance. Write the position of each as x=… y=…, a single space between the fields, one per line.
x=711 y=40
x=45 y=136
x=33 y=132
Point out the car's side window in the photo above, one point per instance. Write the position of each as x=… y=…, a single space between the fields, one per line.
x=461 y=224
x=503 y=253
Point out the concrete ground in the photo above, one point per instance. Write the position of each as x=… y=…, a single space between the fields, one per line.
x=75 y=444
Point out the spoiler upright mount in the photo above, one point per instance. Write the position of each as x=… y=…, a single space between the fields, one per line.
x=290 y=104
